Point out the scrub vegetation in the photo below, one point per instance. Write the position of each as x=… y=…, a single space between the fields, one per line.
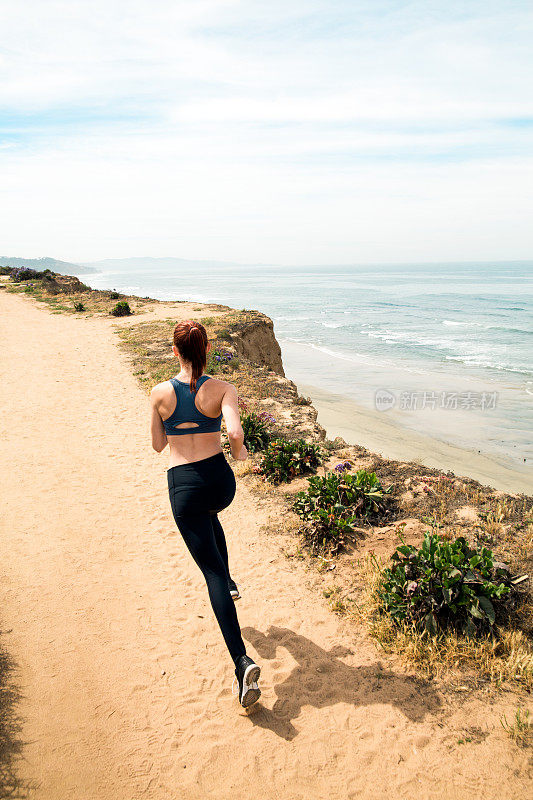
x=436 y=567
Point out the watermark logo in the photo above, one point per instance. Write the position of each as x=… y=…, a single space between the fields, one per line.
x=384 y=399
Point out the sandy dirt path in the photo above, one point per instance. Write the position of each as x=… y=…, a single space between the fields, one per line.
x=124 y=675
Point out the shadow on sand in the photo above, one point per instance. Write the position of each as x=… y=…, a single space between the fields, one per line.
x=320 y=679
x=10 y=730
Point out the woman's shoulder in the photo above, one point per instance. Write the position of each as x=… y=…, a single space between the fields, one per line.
x=161 y=388
x=160 y=395
x=220 y=382
x=221 y=388
x=217 y=385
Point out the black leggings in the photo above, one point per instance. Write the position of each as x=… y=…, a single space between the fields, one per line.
x=198 y=491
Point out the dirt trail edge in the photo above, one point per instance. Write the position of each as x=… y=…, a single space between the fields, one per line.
x=124 y=677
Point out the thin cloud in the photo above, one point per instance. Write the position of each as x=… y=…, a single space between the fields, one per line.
x=248 y=131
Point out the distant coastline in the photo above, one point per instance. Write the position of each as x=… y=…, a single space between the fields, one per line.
x=360 y=424
x=64 y=267
x=349 y=413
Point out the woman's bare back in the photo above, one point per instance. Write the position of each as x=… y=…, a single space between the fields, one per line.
x=185 y=448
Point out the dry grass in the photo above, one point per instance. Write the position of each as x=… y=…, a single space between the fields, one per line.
x=95 y=301
x=503 y=522
x=520 y=729
x=505 y=659
x=149 y=346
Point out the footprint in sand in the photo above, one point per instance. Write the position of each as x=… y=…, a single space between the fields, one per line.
x=319 y=678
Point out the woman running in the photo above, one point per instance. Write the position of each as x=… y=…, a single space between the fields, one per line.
x=186 y=413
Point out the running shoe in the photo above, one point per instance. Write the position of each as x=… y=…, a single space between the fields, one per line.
x=233 y=589
x=247 y=672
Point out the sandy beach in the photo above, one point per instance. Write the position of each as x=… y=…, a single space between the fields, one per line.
x=124 y=678
x=376 y=431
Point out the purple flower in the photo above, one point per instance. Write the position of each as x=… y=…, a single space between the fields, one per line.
x=342 y=466
x=266 y=417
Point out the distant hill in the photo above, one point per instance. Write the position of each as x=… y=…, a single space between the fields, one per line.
x=63 y=267
x=149 y=261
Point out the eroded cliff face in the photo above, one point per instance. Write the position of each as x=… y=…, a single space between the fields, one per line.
x=293 y=411
x=252 y=338
x=255 y=340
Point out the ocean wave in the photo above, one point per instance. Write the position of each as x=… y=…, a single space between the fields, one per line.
x=190 y=298
x=472 y=354
x=394 y=305
x=475 y=361
x=403 y=337
x=289 y=317
x=466 y=351
x=464 y=324
x=355 y=357
x=456 y=323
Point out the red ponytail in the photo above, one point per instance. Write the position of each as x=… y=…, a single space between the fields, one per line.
x=190 y=338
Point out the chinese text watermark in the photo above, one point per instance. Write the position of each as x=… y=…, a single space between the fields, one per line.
x=384 y=400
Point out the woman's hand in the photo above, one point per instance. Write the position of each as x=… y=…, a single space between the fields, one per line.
x=243 y=455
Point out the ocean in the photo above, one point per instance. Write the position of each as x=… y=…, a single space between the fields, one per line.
x=441 y=349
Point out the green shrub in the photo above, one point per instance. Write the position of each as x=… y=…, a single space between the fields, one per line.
x=361 y=492
x=79 y=307
x=114 y=295
x=284 y=460
x=333 y=504
x=121 y=309
x=256 y=433
x=19 y=274
x=444 y=584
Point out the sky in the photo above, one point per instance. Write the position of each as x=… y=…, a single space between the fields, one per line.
x=316 y=132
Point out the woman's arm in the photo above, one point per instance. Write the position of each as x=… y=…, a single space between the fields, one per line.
x=159 y=436
x=232 y=418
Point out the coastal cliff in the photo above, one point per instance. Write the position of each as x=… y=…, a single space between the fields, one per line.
x=255 y=340
x=118 y=554
x=249 y=354
x=244 y=350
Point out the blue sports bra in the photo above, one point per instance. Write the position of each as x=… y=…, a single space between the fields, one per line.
x=186 y=411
